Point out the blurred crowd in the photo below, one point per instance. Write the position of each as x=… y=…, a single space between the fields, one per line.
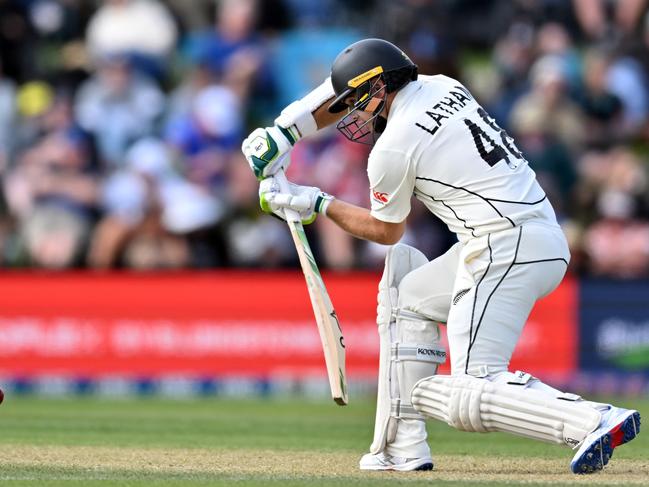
x=121 y=123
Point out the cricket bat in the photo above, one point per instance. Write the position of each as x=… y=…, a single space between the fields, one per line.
x=331 y=334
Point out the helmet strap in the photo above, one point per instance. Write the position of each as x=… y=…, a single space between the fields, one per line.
x=379 y=125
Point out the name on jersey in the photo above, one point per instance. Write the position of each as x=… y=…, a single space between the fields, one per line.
x=447 y=106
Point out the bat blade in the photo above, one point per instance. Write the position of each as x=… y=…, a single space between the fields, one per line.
x=331 y=336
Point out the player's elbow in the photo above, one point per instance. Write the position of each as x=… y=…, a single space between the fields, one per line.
x=388 y=240
x=389 y=233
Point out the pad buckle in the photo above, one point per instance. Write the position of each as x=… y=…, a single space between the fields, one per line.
x=521 y=378
x=400 y=410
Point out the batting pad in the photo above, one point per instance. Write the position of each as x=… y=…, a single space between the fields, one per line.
x=409 y=348
x=471 y=404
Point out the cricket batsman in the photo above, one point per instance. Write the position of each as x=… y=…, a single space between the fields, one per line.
x=431 y=139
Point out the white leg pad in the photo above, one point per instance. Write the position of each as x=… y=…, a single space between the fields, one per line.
x=471 y=404
x=409 y=348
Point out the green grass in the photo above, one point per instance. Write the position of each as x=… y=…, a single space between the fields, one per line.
x=137 y=442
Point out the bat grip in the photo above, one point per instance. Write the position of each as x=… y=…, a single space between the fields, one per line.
x=291 y=215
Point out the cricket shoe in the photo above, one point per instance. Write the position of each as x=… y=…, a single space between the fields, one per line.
x=381 y=461
x=618 y=426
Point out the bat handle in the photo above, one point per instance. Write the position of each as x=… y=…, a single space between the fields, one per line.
x=280 y=177
x=291 y=215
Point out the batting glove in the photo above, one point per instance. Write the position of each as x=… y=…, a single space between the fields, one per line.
x=266 y=150
x=307 y=201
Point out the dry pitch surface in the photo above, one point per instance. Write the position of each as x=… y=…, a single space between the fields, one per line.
x=210 y=442
x=203 y=465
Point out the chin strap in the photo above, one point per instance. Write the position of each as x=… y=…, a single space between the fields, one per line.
x=379 y=124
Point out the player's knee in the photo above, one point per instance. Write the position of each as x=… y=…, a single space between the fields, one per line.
x=408 y=291
x=418 y=291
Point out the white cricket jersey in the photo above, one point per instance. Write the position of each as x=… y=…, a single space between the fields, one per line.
x=440 y=145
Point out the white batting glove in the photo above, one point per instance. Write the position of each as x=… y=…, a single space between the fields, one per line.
x=266 y=150
x=307 y=201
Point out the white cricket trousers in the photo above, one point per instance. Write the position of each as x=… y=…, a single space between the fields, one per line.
x=484 y=291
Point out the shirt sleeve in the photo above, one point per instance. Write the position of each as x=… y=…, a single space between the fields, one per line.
x=392 y=181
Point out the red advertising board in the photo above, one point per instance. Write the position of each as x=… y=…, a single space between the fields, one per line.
x=254 y=324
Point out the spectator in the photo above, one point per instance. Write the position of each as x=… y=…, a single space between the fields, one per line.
x=512 y=57
x=148 y=209
x=627 y=80
x=180 y=101
x=548 y=156
x=118 y=106
x=234 y=50
x=253 y=239
x=7 y=118
x=602 y=108
x=618 y=228
x=52 y=190
x=60 y=27
x=142 y=29
x=206 y=137
x=617 y=170
x=553 y=39
x=612 y=213
x=600 y=19
x=150 y=175
x=548 y=96
x=16 y=41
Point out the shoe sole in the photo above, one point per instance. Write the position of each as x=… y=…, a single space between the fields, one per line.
x=420 y=468
x=598 y=454
x=400 y=468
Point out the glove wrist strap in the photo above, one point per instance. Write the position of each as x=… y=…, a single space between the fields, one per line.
x=322 y=202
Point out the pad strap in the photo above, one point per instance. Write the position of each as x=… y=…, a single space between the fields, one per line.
x=400 y=410
x=429 y=353
x=423 y=353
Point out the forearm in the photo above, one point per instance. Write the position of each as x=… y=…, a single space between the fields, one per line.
x=310 y=113
x=360 y=223
x=323 y=117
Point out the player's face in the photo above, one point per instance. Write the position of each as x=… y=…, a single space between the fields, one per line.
x=368 y=96
x=361 y=114
x=365 y=105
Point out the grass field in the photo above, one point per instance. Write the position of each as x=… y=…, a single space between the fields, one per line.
x=262 y=442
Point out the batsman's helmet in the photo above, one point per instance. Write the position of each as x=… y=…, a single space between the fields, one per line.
x=364 y=60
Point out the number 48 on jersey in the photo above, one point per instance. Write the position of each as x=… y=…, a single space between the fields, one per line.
x=491 y=151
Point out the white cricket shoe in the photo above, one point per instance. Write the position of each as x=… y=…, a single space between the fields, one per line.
x=381 y=461
x=618 y=426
